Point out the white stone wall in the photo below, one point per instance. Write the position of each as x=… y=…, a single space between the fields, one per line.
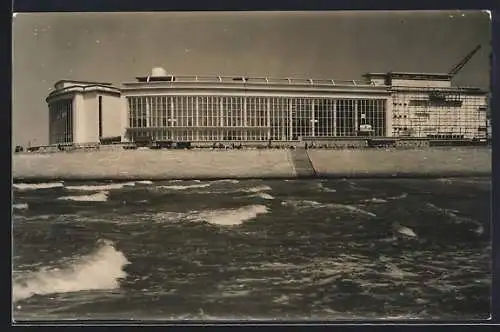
x=172 y=164
x=112 y=120
x=79 y=120
x=91 y=111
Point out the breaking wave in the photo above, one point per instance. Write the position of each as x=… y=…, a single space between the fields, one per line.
x=403 y=195
x=231 y=217
x=110 y=186
x=264 y=196
x=186 y=186
x=97 y=197
x=100 y=270
x=453 y=215
x=144 y=182
x=326 y=189
x=403 y=230
x=35 y=186
x=20 y=206
x=313 y=204
x=227 y=181
x=257 y=189
x=352 y=209
x=302 y=204
x=375 y=200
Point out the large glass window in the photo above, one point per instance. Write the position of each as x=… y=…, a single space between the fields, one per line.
x=280 y=119
x=301 y=112
x=61 y=121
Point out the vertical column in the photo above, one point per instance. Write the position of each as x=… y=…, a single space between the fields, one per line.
x=67 y=120
x=290 y=121
x=334 y=117
x=313 y=120
x=283 y=114
x=70 y=122
x=221 y=117
x=387 y=111
x=171 y=119
x=245 y=135
x=356 y=120
x=268 y=116
x=197 y=106
x=148 y=111
x=125 y=115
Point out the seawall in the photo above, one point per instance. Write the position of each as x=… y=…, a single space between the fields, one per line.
x=430 y=162
x=199 y=164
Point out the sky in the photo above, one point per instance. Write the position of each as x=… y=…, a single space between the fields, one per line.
x=117 y=47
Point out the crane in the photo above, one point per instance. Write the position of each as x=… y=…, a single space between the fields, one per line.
x=462 y=63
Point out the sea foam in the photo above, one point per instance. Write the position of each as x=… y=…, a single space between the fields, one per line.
x=180 y=187
x=326 y=189
x=227 y=181
x=257 y=189
x=100 y=270
x=304 y=204
x=145 y=182
x=110 y=186
x=231 y=217
x=20 y=206
x=264 y=196
x=97 y=197
x=35 y=186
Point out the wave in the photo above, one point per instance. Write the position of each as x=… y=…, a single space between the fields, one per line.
x=314 y=204
x=405 y=231
x=227 y=181
x=326 y=189
x=110 y=186
x=393 y=198
x=35 y=186
x=453 y=215
x=302 y=204
x=186 y=186
x=257 y=189
x=264 y=196
x=352 y=209
x=395 y=272
x=144 y=182
x=97 y=197
x=100 y=270
x=375 y=200
x=448 y=212
x=231 y=217
x=20 y=206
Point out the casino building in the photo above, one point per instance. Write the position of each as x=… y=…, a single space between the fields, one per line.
x=207 y=109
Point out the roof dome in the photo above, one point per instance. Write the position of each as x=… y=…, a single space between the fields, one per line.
x=158 y=72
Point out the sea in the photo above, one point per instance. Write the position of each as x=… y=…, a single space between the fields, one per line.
x=250 y=250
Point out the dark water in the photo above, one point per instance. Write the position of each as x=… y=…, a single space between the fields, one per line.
x=253 y=250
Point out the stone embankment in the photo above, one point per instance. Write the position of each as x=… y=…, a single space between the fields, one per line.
x=265 y=163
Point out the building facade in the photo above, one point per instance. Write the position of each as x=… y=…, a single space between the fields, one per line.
x=244 y=109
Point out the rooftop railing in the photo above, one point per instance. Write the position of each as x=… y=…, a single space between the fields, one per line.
x=250 y=80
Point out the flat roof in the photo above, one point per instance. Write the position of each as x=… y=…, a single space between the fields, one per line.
x=412 y=75
x=82 y=82
x=79 y=88
x=247 y=80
